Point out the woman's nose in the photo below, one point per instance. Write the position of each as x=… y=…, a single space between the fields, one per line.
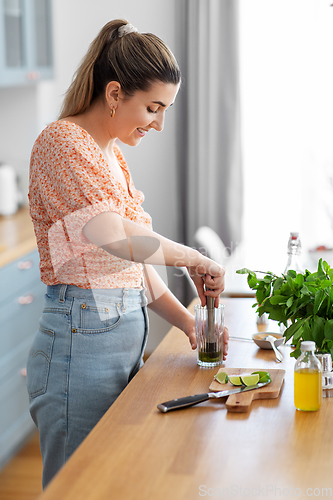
x=158 y=122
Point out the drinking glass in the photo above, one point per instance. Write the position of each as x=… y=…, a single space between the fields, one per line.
x=209 y=333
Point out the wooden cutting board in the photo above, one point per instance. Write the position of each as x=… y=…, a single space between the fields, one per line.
x=241 y=402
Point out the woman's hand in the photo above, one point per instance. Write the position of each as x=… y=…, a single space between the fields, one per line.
x=168 y=307
x=208 y=277
x=225 y=342
x=189 y=330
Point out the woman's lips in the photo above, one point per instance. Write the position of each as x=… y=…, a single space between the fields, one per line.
x=142 y=131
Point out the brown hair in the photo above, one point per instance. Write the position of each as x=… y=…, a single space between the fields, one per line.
x=134 y=60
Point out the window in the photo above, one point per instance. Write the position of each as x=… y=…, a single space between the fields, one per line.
x=287 y=125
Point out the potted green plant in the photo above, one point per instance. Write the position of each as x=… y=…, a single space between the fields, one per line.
x=303 y=302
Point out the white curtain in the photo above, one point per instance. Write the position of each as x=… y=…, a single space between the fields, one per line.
x=211 y=177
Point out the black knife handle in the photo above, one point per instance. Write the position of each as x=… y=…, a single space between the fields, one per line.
x=174 y=404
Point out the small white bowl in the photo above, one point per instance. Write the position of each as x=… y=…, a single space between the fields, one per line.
x=258 y=339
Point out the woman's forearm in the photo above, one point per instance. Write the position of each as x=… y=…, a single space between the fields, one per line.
x=168 y=307
x=130 y=241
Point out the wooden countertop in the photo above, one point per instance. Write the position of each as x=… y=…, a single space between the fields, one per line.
x=17 y=236
x=136 y=452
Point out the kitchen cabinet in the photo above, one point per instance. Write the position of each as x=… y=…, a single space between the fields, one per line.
x=25 y=41
x=21 y=303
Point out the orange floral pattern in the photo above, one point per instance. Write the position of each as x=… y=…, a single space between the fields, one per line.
x=71 y=182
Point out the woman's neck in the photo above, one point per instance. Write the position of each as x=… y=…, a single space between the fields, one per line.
x=95 y=121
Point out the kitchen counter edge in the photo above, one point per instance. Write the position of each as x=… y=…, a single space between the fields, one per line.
x=17 y=237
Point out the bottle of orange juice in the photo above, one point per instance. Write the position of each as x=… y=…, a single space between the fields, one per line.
x=308 y=379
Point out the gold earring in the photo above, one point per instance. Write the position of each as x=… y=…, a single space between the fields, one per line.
x=112 y=112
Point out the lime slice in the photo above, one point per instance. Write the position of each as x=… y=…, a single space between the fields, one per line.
x=260 y=373
x=252 y=379
x=221 y=377
x=263 y=376
x=235 y=380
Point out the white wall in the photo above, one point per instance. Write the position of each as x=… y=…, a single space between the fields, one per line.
x=26 y=111
x=153 y=162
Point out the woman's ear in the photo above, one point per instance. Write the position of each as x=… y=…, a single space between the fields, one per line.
x=112 y=91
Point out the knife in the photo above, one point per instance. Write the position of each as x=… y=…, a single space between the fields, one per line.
x=175 y=404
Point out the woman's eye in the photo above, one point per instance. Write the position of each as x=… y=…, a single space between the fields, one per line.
x=151 y=111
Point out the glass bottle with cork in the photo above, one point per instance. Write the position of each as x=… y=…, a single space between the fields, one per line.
x=307 y=379
x=293 y=262
x=294 y=254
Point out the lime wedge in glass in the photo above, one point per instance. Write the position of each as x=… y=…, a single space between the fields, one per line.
x=221 y=377
x=252 y=379
x=235 y=380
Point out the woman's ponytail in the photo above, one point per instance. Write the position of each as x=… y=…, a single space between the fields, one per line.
x=133 y=59
x=80 y=93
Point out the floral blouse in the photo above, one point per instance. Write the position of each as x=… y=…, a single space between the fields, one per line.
x=70 y=182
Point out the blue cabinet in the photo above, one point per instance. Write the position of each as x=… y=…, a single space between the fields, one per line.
x=25 y=41
x=21 y=304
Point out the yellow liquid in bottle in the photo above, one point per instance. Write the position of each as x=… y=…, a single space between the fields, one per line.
x=307 y=389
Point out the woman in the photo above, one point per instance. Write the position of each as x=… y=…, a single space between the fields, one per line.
x=96 y=242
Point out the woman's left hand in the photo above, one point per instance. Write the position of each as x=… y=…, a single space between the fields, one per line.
x=225 y=342
x=169 y=308
x=190 y=332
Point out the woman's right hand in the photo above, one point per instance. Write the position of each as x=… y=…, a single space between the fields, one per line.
x=208 y=277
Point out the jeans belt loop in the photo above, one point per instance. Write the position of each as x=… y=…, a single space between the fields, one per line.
x=125 y=293
x=144 y=300
x=62 y=293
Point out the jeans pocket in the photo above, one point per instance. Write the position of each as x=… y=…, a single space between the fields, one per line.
x=38 y=365
x=97 y=317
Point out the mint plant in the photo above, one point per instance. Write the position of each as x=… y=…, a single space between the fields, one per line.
x=306 y=299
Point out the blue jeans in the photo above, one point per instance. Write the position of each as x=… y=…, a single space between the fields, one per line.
x=89 y=345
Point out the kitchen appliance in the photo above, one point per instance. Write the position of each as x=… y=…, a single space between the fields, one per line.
x=9 y=192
